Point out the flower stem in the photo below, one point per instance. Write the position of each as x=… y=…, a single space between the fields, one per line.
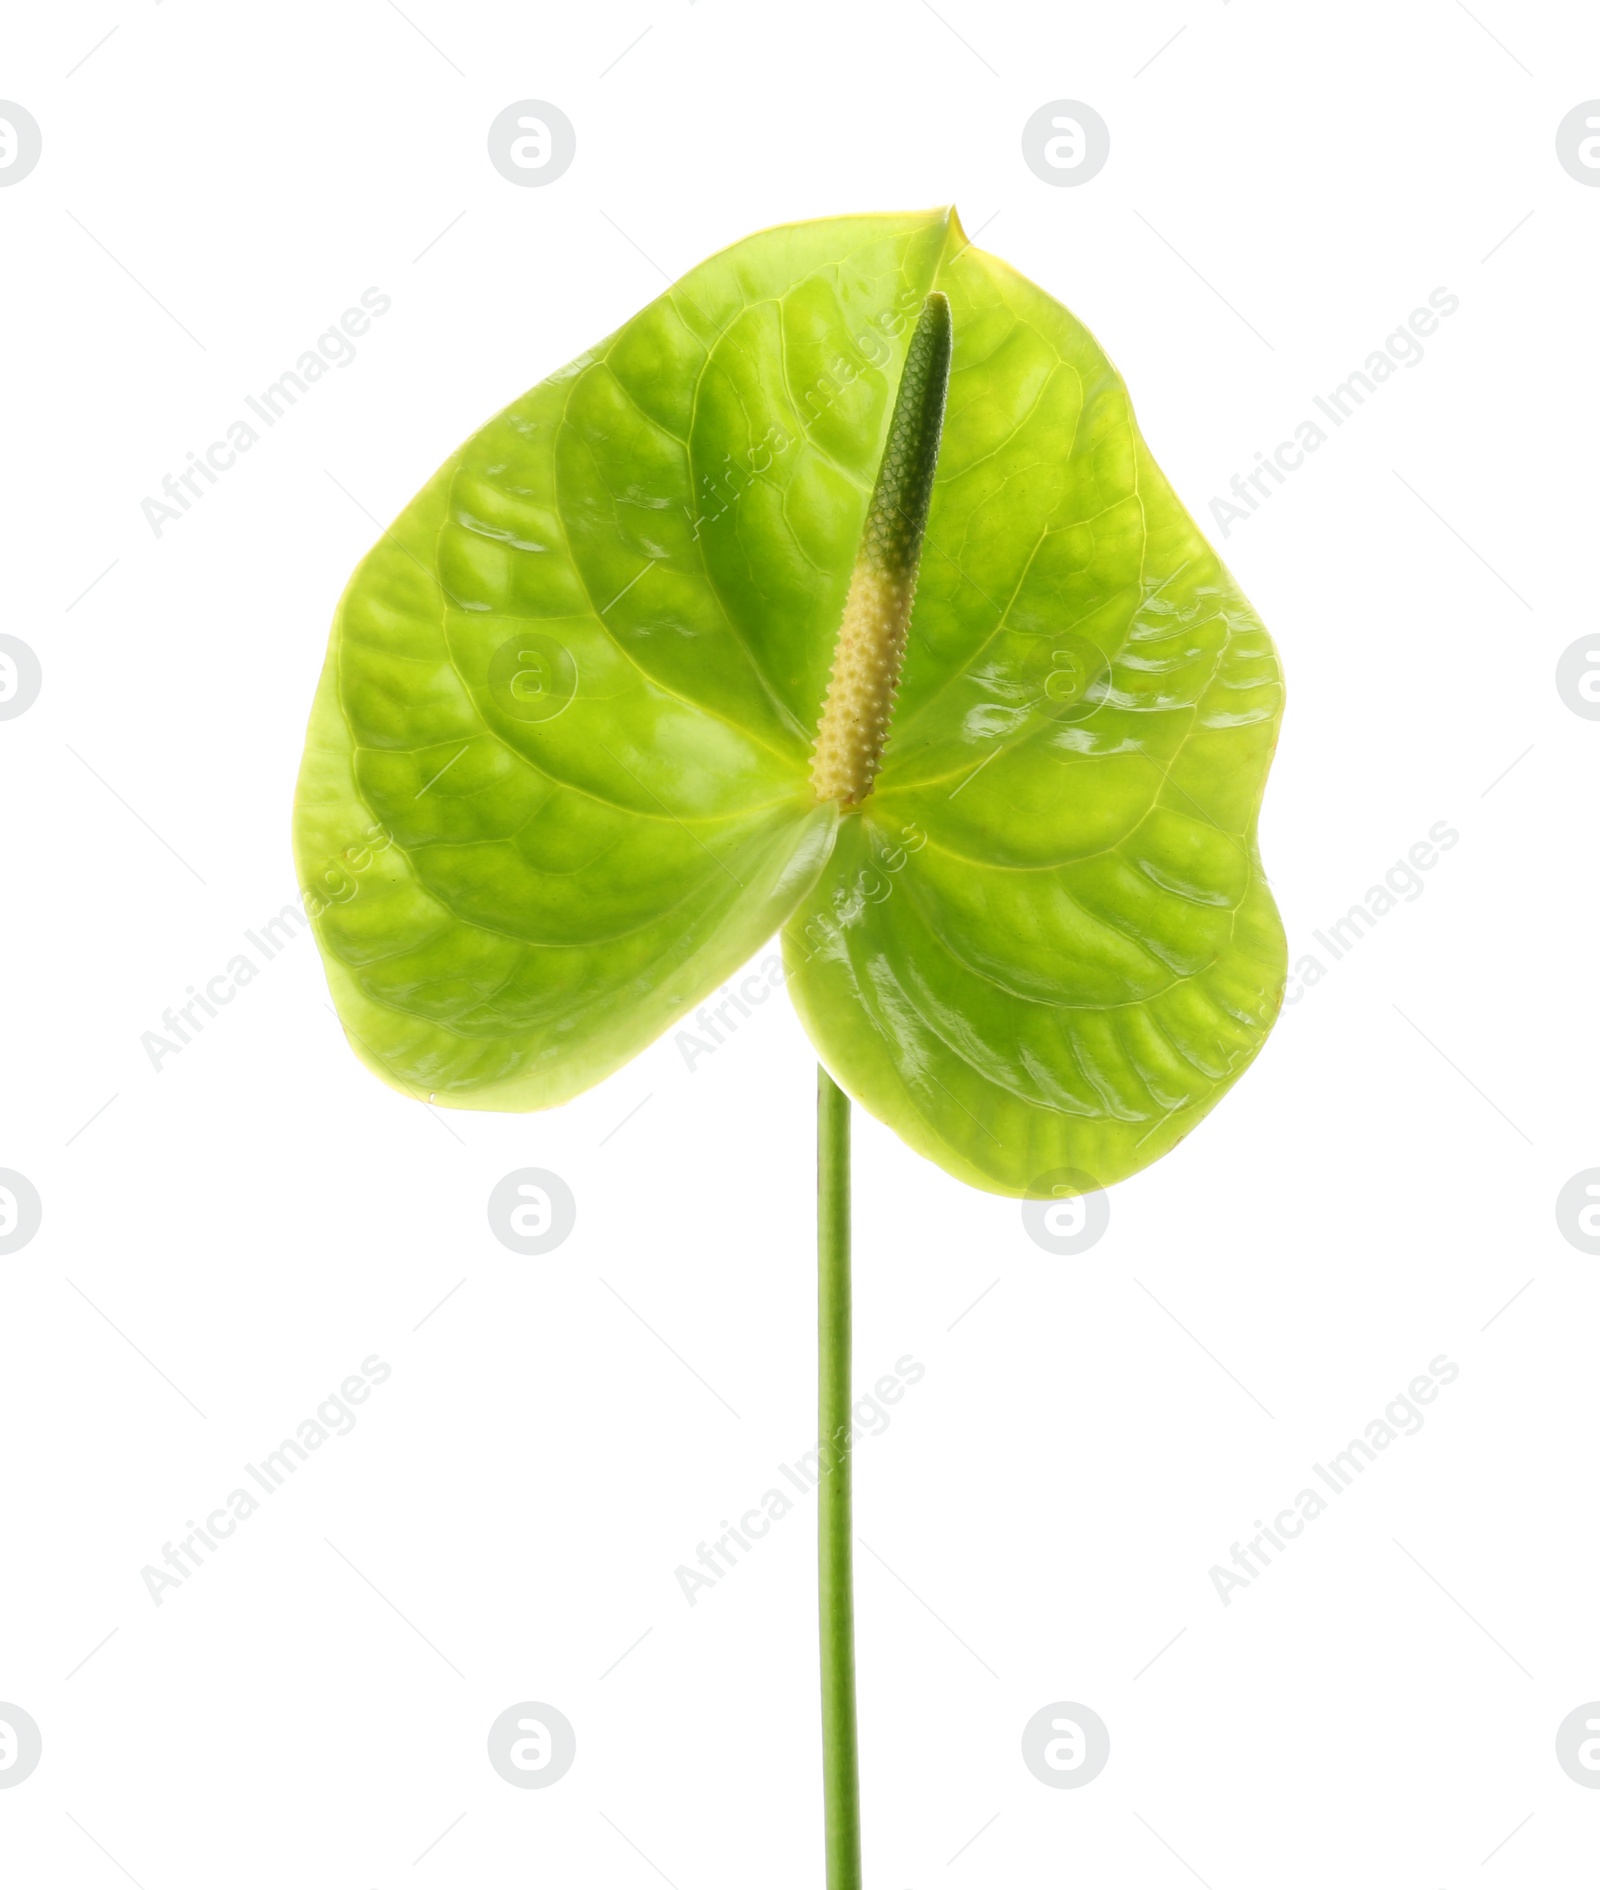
x=836 y=1597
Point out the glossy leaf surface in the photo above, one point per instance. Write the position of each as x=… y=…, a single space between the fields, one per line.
x=557 y=787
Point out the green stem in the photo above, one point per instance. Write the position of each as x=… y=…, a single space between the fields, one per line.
x=841 y=1794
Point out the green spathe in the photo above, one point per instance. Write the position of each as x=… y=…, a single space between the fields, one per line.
x=579 y=681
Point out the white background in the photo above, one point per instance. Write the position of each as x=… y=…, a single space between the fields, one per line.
x=1285 y=185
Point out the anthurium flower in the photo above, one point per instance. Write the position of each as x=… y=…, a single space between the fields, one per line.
x=835 y=592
